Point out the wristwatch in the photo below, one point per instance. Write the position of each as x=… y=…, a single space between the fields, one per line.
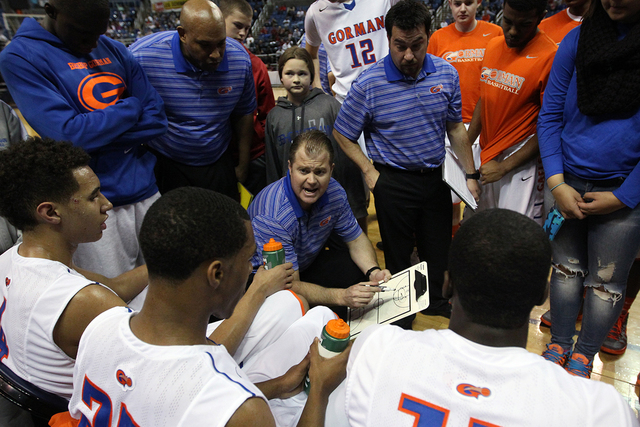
x=475 y=175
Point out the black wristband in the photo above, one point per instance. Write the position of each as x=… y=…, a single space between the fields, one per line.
x=371 y=270
x=475 y=175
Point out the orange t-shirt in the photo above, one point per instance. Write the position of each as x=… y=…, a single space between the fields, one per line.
x=465 y=52
x=558 y=25
x=511 y=89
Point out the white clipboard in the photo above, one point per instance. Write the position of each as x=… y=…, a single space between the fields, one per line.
x=453 y=175
x=409 y=294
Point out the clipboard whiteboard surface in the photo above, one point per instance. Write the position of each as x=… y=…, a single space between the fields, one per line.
x=454 y=176
x=409 y=294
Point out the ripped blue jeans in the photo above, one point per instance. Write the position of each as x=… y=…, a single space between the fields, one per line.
x=596 y=254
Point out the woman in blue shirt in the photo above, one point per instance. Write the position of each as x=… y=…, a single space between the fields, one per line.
x=589 y=136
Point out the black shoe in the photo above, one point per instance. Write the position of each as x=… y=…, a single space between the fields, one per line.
x=443 y=310
x=379 y=245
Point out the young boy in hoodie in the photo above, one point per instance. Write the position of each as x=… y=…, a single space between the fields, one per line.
x=306 y=108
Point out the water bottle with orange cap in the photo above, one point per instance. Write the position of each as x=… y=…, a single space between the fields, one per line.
x=334 y=339
x=272 y=254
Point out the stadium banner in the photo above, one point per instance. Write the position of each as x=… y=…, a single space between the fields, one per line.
x=167 y=6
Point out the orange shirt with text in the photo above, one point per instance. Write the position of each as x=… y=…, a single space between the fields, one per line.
x=465 y=52
x=512 y=83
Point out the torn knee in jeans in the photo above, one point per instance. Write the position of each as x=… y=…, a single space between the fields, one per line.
x=567 y=271
x=604 y=294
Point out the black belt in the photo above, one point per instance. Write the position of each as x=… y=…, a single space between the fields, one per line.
x=420 y=171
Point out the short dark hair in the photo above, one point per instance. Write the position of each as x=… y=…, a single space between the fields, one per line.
x=296 y=52
x=35 y=171
x=526 y=5
x=408 y=15
x=314 y=143
x=188 y=226
x=499 y=264
x=227 y=7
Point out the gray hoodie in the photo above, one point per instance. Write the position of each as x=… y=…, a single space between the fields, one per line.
x=318 y=111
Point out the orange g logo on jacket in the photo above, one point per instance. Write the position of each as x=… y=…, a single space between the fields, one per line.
x=100 y=90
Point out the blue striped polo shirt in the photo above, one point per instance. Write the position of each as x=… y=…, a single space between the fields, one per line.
x=198 y=103
x=404 y=120
x=276 y=213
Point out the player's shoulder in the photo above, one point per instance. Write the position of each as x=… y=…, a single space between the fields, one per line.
x=315 y=7
x=496 y=43
x=543 y=46
x=442 y=32
x=486 y=27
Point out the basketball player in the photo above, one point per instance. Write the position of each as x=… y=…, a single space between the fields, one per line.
x=157 y=367
x=48 y=190
x=477 y=372
x=514 y=75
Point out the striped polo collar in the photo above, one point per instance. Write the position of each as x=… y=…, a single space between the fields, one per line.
x=295 y=204
x=183 y=66
x=393 y=74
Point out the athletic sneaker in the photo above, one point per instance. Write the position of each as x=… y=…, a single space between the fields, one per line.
x=545 y=319
x=556 y=354
x=616 y=341
x=579 y=365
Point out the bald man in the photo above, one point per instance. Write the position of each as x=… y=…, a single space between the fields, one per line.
x=206 y=82
x=72 y=83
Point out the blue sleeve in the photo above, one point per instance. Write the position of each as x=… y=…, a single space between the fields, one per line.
x=247 y=103
x=551 y=117
x=347 y=226
x=629 y=192
x=454 y=111
x=51 y=114
x=353 y=114
x=153 y=121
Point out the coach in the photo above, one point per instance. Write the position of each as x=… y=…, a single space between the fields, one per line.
x=207 y=86
x=404 y=104
x=306 y=211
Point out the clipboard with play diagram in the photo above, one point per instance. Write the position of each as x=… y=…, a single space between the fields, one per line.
x=408 y=293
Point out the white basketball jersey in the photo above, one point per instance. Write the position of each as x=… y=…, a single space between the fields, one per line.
x=437 y=378
x=353 y=34
x=36 y=292
x=122 y=380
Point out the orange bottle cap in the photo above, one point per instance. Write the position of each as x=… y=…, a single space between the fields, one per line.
x=338 y=328
x=272 y=245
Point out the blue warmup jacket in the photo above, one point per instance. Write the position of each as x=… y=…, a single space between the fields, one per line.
x=101 y=102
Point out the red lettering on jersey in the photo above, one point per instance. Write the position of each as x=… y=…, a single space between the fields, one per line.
x=340 y=35
x=332 y=38
x=380 y=22
x=7 y=281
x=77 y=65
x=435 y=89
x=100 y=90
x=98 y=62
x=370 y=26
x=359 y=29
x=347 y=31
